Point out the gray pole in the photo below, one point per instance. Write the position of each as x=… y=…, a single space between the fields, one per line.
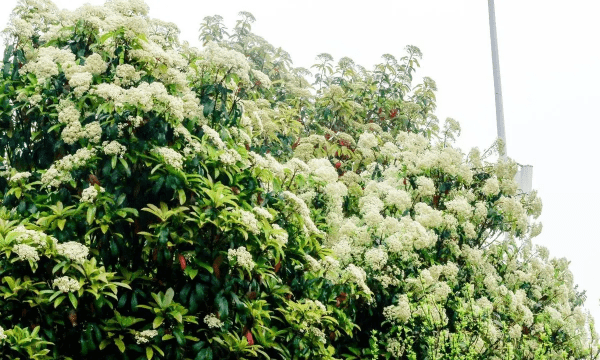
x=497 y=83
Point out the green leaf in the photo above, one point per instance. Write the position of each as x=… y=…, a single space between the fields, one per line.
x=91 y=214
x=181 y=196
x=58 y=301
x=73 y=299
x=61 y=223
x=157 y=321
x=168 y=297
x=191 y=272
x=120 y=345
x=149 y=353
x=204 y=354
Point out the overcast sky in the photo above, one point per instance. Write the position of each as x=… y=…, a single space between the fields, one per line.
x=549 y=60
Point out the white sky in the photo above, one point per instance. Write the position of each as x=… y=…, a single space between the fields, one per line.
x=549 y=64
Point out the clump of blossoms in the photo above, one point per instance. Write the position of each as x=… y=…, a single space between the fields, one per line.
x=144 y=337
x=26 y=252
x=66 y=284
x=242 y=257
x=90 y=194
x=73 y=251
x=212 y=321
x=382 y=226
x=170 y=157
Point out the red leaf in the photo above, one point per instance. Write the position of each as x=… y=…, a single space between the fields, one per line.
x=278 y=266
x=182 y=262
x=216 y=265
x=249 y=338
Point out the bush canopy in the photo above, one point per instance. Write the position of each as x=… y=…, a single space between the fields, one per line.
x=164 y=202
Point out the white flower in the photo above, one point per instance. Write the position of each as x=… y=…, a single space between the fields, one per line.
x=242 y=257
x=491 y=186
x=279 y=235
x=73 y=251
x=113 y=148
x=93 y=132
x=247 y=218
x=2 y=335
x=94 y=64
x=515 y=331
x=230 y=157
x=213 y=136
x=323 y=170
x=376 y=258
x=19 y=176
x=145 y=336
x=212 y=321
x=425 y=186
x=66 y=284
x=399 y=313
x=318 y=333
x=428 y=216
x=460 y=206
x=128 y=74
x=260 y=211
x=398 y=198
x=367 y=140
x=68 y=114
x=170 y=157
x=89 y=194
x=26 y=252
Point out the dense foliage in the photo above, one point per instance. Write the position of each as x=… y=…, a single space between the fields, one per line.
x=160 y=201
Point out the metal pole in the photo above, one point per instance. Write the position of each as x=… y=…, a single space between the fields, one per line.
x=497 y=83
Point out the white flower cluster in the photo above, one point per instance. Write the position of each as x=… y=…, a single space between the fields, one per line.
x=212 y=321
x=242 y=257
x=317 y=333
x=114 y=148
x=262 y=212
x=19 y=176
x=491 y=186
x=322 y=170
x=26 y=252
x=425 y=186
x=399 y=199
x=127 y=75
x=81 y=81
x=59 y=172
x=37 y=238
x=299 y=207
x=66 y=284
x=170 y=157
x=461 y=207
x=399 y=313
x=73 y=251
x=230 y=157
x=145 y=336
x=213 y=136
x=89 y=194
x=376 y=258
x=262 y=78
x=249 y=220
x=368 y=141
x=229 y=61
x=279 y=235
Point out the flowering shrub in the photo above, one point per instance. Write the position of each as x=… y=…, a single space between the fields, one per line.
x=161 y=201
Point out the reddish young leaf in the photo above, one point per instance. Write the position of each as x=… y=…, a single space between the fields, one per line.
x=182 y=262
